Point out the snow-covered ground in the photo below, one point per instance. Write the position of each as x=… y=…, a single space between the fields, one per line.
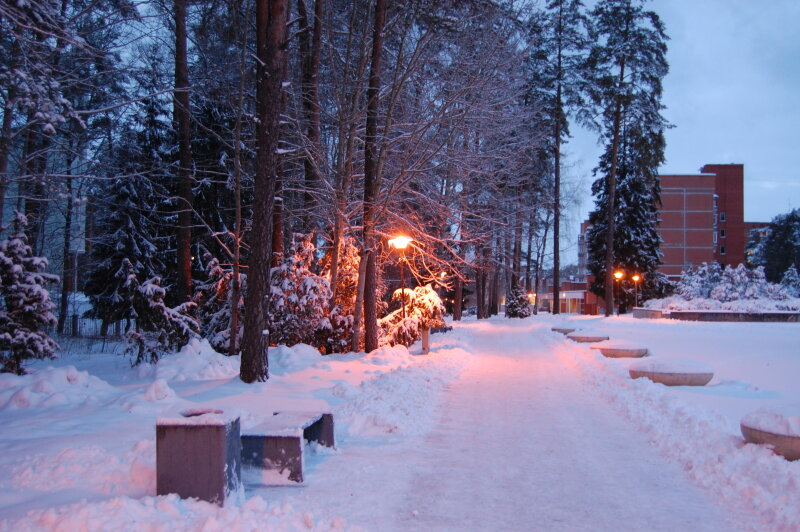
x=505 y=426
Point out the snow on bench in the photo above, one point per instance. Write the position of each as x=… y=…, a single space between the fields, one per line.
x=563 y=330
x=276 y=445
x=673 y=372
x=587 y=336
x=777 y=426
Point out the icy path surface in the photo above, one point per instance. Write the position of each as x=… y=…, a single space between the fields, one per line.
x=524 y=445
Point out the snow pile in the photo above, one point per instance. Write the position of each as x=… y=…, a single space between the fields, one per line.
x=196 y=361
x=285 y=360
x=401 y=401
x=159 y=391
x=777 y=419
x=52 y=387
x=92 y=468
x=123 y=514
x=748 y=478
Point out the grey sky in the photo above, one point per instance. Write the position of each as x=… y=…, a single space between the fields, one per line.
x=732 y=94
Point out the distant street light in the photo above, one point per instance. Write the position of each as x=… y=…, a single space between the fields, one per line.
x=401 y=242
x=636 y=278
x=618 y=275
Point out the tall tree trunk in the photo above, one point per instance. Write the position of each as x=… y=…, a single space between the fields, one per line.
x=372 y=180
x=557 y=201
x=362 y=268
x=271 y=17
x=182 y=118
x=5 y=146
x=67 y=280
x=457 y=297
x=611 y=200
x=33 y=188
x=236 y=284
x=338 y=231
x=312 y=53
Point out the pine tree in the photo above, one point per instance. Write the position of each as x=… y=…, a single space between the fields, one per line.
x=629 y=57
x=517 y=304
x=781 y=247
x=562 y=41
x=25 y=306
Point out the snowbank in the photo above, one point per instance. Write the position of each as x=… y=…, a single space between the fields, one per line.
x=749 y=479
x=51 y=387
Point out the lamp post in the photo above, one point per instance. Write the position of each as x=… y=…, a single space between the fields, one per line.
x=618 y=275
x=636 y=278
x=401 y=242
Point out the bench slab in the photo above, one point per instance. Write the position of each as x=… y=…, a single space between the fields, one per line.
x=277 y=443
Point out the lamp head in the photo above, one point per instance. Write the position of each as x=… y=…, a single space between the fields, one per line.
x=636 y=278
x=400 y=242
x=618 y=275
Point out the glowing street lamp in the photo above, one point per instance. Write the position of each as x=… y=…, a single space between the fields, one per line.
x=618 y=275
x=636 y=278
x=401 y=242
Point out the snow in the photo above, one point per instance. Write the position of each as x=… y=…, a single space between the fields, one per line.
x=777 y=419
x=672 y=366
x=504 y=426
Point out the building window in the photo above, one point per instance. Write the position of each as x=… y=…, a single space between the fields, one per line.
x=722 y=250
x=715 y=237
x=722 y=233
x=722 y=217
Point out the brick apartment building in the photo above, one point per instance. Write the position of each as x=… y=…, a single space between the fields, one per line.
x=701 y=220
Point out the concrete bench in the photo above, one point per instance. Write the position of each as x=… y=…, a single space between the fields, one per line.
x=673 y=372
x=277 y=443
x=562 y=330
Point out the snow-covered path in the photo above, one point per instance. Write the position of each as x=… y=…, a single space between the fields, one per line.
x=524 y=445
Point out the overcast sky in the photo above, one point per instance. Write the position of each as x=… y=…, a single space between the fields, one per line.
x=733 y=95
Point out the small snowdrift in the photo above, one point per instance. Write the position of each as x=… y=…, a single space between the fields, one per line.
x=92 y=468
x=197 y=361
x=285 y=360
x=402 y=401
x=52 y=387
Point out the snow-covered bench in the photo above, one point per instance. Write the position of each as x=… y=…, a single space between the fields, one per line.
x=277 y=444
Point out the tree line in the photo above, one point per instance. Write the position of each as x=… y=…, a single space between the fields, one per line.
x=184 y=162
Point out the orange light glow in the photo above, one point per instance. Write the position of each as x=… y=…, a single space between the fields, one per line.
x=401 y=242
x=636 y=278
x=618 y=275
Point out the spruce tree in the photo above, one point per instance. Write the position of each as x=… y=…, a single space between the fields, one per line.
x=517 y=304
x=791 y=281
x=126 y=235
x=25 y=306
x=629 y=56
